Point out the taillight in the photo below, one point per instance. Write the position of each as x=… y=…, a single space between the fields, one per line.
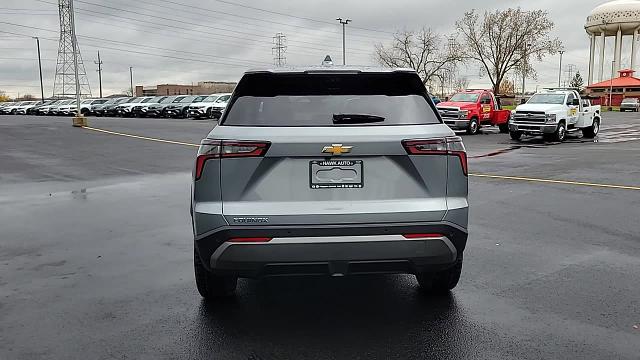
x=448 y=146
x=250 y=239
x=214 y=149
x=244 y=148
x=423 y=236
x=209 y=149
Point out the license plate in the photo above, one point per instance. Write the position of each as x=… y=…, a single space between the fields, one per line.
x=334 y=174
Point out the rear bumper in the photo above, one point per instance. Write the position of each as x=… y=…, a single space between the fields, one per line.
x=332 y=249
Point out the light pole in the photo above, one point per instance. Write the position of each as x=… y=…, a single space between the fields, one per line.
x=344 y=52
x=613 y=64
x=40 y=67
x=131 y=77
x=560 y=69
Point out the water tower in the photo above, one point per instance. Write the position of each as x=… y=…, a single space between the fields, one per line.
x=615 y=18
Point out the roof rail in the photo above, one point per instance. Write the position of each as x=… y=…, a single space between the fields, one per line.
x=561 y=88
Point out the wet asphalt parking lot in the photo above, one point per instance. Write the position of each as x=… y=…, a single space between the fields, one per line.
x=96 y=258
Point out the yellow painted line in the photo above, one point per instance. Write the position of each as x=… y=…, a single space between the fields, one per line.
x=500 y=177
x=551 y=181
x=141 y=137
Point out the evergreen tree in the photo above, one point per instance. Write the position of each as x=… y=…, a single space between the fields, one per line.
x=577 y=81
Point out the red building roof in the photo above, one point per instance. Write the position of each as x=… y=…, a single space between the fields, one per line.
x=626 y=79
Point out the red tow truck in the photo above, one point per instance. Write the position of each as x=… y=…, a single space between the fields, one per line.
x=471 y=109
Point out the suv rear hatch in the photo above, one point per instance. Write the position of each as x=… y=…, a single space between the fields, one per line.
x=326 y=148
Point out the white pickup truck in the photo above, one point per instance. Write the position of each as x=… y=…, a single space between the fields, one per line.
x=553 y=113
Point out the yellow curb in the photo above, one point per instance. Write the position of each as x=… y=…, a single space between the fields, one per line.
x=552 y=181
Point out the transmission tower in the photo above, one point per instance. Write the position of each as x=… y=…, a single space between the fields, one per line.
x=65 y=81
x=279 y=48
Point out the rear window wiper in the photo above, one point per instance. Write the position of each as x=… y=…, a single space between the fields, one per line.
x=356 y=118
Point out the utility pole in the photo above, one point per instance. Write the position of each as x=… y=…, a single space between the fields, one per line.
x=560 y=69
x=40 y=67
x=344 y=52
x=279 y=48
x=99 y=63
x=131 y=77
x=525 y=67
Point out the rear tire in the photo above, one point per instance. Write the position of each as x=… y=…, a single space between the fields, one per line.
x=473 y=127
x=504 y=128
x=515 y=135
x=441 y=282
x=593 y=130
x=212 y=286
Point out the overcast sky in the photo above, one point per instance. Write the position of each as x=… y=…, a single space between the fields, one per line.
x=218 y=40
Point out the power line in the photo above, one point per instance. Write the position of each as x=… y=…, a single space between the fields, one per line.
x=174 y=20
x=234 y=22
x=135 y=44
x=164 y=25
x=294 y=16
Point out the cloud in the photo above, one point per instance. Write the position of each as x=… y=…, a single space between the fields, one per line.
x=185 y=41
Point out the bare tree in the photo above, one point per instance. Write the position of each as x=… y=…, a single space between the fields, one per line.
x=421 y=50
x=505 y=40
x=461 y=83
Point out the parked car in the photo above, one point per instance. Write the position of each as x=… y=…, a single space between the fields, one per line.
x=333 y=173
x=218 y=107
x=55 y=109
x=13 y=109
x=630 y=104
x=34 y=109
x=87 y=106
x=179 y=109
x=68 y=108
x=157 y=109
x=124 y=109
x=553 y=113
x=141 y=109
x=22 y=109
x=470 y=110
x=4 y=107
x=44 y=108
x=109 y=108
x=201 y=108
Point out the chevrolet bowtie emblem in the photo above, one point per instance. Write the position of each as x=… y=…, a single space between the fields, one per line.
x=337 y=149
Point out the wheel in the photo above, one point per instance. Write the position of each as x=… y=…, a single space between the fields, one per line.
x=443 y=281
x=561 y=132
x=504 y=128
x=515 y=135
x=593 y=130
x=473 y=126
x=208 y=113
x=212 y=286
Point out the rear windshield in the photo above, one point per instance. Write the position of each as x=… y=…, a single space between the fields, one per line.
x=326 y=99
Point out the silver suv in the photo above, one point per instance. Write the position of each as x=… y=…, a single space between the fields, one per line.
x=329 y=171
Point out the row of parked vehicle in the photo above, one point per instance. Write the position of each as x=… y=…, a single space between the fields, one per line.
x=179 y=106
